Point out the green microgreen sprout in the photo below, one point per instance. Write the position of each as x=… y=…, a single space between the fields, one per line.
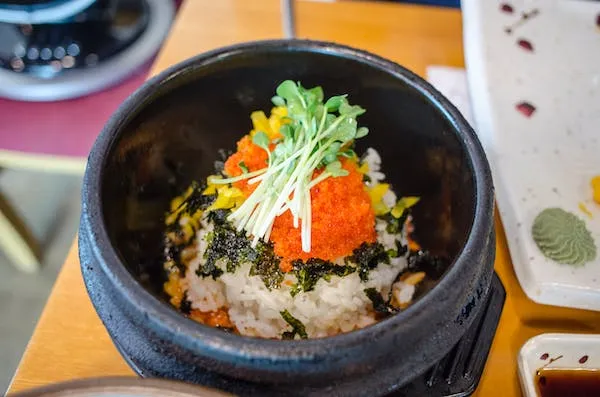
x=315 y=136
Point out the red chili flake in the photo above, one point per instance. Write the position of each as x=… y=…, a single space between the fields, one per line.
x=505 y=7
x=544 y=356
x=598 y=20
x=525 y=108
x=583 y=359
x=525 y=44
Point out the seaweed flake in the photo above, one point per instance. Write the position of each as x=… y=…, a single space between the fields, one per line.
x=297 y=326
x=218 y=217
x=229 y=330
x=186 y=305
x=380 y=305
x=367 y=256
x=226 y=244
x=266 y=265
x=434 y=266
x=395 y=225
x=172 y=253
x=310 y=272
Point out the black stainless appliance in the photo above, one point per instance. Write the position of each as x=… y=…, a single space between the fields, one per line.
x=61 y=49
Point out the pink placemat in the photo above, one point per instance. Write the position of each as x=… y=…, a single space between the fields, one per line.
x=64 y=128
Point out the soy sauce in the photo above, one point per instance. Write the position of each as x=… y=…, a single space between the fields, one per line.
x=555 y=382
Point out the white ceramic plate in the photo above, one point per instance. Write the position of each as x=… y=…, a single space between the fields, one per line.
x=566 y=351
x=533 y=68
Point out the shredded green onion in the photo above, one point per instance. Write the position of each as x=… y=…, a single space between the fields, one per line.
x=316 y=136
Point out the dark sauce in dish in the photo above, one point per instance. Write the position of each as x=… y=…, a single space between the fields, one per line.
x=556 y=382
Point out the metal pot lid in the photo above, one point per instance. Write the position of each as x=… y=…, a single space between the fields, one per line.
x=122 y=387
x=83 y=74
x=41 y=11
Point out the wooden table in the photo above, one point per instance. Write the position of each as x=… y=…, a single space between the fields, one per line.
x=70 y=342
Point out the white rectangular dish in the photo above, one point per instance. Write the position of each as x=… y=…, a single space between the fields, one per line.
x=533 y=69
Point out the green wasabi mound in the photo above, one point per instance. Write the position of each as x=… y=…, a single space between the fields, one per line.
x=563 y=237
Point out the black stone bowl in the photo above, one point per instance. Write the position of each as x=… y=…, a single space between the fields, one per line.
x=170 y=132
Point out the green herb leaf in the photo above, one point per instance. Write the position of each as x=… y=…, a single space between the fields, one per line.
x=350 y=110
x=280 y=150
x=361 y=132
x=297 y=326
x=331 y=153
x=243 y=167
x=261 y=139
x=329 y=119
x=315 y=135
x=278 y=101
x=289 y=146
x=288 y=90
x=346 y=131
x=333 y=103
x=394 y=225
x=329 y=158
x=316 y=94
x=335 y=169
x=348 y=153
x=287 y=131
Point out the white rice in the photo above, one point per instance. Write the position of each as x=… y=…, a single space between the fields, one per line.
x=338 y=305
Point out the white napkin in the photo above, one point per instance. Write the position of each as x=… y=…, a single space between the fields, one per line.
x=452 y=82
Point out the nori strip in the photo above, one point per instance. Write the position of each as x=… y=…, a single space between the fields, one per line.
x=310 y=272
x=266 y=265
x=297 y=326
x=186 y=305
x=382 y=307
x=433 y=265
x=367 y=256
x=235 y=248
x=227 y=244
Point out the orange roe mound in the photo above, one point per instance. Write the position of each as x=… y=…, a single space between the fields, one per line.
x=253 y=157
x=342 y=219
x=342 y=213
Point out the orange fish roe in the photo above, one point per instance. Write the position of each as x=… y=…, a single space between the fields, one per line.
x=342 y=213
x=342 y=219
x=413 y=245
x=217 y=318
x=254 y=158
